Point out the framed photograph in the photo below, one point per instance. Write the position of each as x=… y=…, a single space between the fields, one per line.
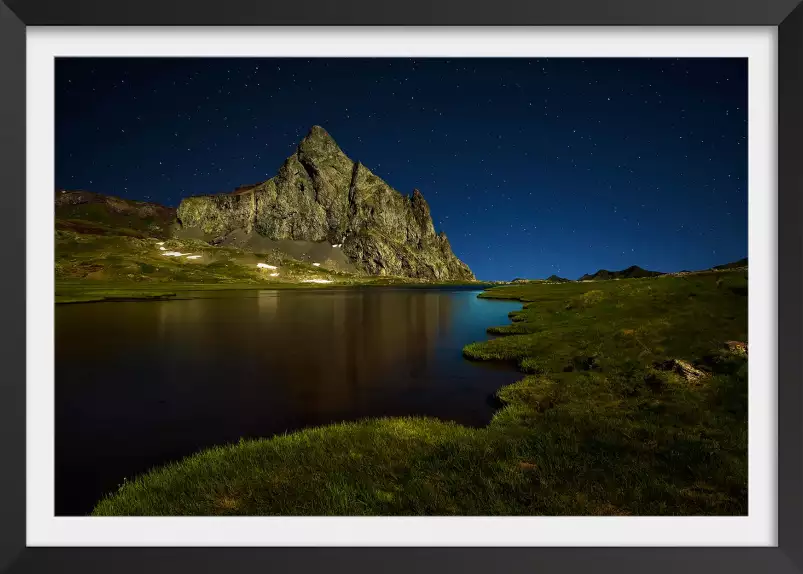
x=421 y=287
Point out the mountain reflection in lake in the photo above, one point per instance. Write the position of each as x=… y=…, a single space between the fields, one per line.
x=140 y=384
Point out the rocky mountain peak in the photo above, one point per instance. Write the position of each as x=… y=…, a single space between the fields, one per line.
x=318 y=132
x=320 y=194
x=319 y=145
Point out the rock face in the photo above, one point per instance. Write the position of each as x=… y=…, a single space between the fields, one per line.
x=736 y=347
x=319 y=194
x=682 y=368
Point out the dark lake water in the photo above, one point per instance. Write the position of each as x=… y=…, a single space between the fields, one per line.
x=140 y=384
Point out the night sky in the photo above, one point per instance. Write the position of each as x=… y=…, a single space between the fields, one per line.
x=530 y=166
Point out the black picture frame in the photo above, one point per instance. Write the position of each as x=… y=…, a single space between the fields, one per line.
x=787 y=15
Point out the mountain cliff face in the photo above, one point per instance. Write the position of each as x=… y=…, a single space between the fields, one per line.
x=319 y=194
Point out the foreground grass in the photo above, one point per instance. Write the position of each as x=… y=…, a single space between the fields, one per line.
x=595 y=428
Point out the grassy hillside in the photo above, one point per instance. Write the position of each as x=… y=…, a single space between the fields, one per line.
x=141 y=261
x=107 y=267
x=741 y=263
x=633 y=402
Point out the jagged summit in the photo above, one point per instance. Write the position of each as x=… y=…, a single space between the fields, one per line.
x=320 y=194
x=319 y=144
x=318 y=132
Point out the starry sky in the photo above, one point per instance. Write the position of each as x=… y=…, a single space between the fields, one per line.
x=530 y=166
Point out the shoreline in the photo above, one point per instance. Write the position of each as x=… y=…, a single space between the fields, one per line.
x=75 y=292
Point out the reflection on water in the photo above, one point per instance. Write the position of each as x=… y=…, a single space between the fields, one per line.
x=139 y=384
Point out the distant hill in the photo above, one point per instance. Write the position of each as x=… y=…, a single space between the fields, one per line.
x=632 y=272
x=733 y=265
x=556 y=279
x=550 y=279
x=96 y=214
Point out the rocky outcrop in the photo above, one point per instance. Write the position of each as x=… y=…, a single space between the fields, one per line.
x=736 y=347
x=682 y=368
x=319 y=194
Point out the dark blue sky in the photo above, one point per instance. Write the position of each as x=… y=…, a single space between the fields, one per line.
x=530 y=166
